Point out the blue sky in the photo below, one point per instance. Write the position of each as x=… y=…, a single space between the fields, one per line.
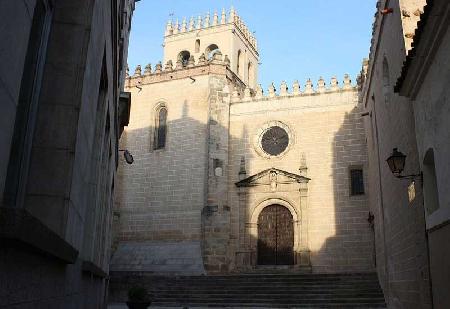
x=296 y=39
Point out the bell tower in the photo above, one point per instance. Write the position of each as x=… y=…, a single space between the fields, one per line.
x=210 y=34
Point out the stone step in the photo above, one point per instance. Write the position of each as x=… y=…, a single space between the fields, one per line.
x=272 y=304
x=259 y=276
x=267 y=291
x=269 y=297
x=249 y=287
x=257 y=305
x=281 y=280
x=360 y=290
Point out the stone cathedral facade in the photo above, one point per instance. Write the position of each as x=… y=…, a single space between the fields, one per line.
x=230 y=178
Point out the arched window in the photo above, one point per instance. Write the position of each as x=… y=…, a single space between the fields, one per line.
x=430 y=189
x=211 y=50
x=386 y=81
x=238 y=65
x=197 y=46
x=160 y=128
x=184 y=57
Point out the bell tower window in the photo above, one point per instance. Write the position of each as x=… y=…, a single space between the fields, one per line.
x=211 y=50
x=184 y=57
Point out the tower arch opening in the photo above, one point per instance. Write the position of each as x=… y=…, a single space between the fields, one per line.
x=238 y=63
x=250 y=73
x=184 y=57
x=211 y=50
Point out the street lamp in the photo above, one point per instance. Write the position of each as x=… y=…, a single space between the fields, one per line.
x=128 y=156
x=396 y=162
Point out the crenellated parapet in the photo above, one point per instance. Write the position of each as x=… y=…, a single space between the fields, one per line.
x=169 y=71
x=309 y=89
x=205 y=22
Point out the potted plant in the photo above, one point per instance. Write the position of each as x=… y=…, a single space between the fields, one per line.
x=138 y=298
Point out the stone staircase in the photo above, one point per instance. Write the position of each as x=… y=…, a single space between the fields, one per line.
x=278 y=290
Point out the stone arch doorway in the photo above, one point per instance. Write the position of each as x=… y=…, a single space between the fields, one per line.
x=275 y=236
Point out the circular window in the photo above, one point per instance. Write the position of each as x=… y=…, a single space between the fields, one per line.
x=274 y=141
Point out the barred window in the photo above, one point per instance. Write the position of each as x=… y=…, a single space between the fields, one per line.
x=356 y=181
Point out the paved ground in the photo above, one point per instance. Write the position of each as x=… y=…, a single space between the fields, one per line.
x=124 y=306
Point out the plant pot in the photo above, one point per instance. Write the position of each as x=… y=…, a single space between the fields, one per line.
x=138 y=304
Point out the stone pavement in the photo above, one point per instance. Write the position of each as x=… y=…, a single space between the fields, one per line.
x=124 y=306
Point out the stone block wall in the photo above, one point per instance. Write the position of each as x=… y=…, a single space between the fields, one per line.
x=216 y=239
x=216 y=214
x=55 y=224
x=326 y=130
x=161 y=195
x=401 y=246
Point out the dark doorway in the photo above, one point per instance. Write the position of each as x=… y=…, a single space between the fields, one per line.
x=275 y=236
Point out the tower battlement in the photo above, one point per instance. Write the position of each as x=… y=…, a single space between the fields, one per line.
x=224 y=33
x=161 y=73
x=308 y=90
x=192 y=24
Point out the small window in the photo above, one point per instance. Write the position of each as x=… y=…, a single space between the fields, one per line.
x=239 y=59
x=197 y=46
x=161 y=128
x=356 y=181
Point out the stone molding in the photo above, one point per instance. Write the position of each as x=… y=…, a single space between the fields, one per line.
x=90 y=268
x=252 y=180
x=18 y=228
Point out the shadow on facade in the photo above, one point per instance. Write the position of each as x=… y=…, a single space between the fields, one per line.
x=351 y=249
x=171 y=210
x=187 y=193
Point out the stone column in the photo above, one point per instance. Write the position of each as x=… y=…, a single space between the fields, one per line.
x=303 y=258
x=252 y=229
x=243 y=258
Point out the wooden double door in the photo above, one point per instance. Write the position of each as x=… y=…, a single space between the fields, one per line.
x=275 y=236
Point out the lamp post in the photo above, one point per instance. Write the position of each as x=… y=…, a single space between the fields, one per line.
x=396 y=163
